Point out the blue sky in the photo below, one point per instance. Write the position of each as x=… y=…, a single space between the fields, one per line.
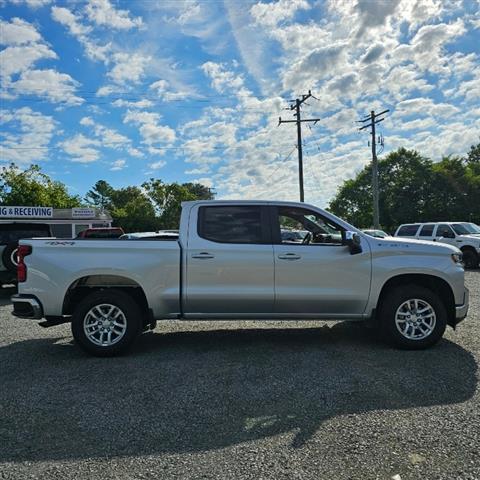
x=187 y=90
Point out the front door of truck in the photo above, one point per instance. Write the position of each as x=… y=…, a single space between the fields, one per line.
x=316 y=274
x=445 y=234
x=229 y=261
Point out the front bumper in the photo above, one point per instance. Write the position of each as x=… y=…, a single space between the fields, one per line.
x=27 y=306
x=462 y=310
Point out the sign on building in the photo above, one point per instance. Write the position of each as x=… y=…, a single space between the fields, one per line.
x=83 y=213
x=26 y=212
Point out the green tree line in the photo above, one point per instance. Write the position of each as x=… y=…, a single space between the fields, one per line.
x=413 y=188
x=154 y=205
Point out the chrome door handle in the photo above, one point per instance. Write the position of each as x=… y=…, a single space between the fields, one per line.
x=289 y=256
x=203 y=255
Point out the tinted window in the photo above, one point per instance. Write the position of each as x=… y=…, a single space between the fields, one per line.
x=231 y=224
x=444 y=230
x=312 y=227
x=407 y=231
x=427 y=230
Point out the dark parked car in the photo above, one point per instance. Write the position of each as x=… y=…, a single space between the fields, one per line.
x=10 y=234
x=113 y=232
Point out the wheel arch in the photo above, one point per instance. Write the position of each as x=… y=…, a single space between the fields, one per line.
x=88 y=284
x=432 y=282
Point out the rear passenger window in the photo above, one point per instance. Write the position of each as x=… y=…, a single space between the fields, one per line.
x=231 y=224
x=407 y=231
x=427 y=230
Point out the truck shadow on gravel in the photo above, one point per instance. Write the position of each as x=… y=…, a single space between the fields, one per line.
x=196 y=391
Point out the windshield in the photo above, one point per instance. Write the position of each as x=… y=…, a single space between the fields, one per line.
x=466 y=228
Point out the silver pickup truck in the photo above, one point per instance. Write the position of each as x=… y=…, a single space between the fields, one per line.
x=230 y=261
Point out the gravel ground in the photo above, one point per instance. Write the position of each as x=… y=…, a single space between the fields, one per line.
x=246 y=400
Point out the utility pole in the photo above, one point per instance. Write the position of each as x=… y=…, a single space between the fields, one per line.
x=296 y=104
x=373 y=118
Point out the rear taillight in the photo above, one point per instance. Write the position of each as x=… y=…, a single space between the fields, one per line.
x=22 y=252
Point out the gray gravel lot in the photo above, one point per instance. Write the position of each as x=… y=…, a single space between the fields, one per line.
x=244 y=400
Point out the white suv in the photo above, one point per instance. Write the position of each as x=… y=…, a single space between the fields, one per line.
x=463 y=235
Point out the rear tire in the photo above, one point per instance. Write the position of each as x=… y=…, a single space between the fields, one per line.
x=9 y=257
x=107 y=323
x=412 y=317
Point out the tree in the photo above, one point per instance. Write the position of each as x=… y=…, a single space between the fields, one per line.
x=199 y=191
x=472 y=176
x=132 y=210
x=413 y=189
x=167 y=199
x=100 y=195
x=154 y=206
x=32 y=187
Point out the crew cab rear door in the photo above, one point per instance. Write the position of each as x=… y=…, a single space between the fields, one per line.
x=229 y=266
x=318 y=276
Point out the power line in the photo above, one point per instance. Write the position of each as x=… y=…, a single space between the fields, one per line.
x=373 y=118
x=296 y=104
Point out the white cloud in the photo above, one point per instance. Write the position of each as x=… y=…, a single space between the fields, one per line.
x=25 y=48
x=129 y=67
x=222 y=79
x=422 y=106
x=134 y=116
x=316 y=64
x=134 y=152
x=270 y=14
x=32 y=3
x=107 y=90
x=157 y=165
x=73 y=22
x=28 y=138
x=426 y=47
x=82 y=149
x=17 y=59
x=374 y=14
x=18 y=32
x=138 y=104
x=167 y=94
x=154 y=134
x=149 y=128
x=118 y=165
x=108 y=137
x=111 y=138
x=56 y=87
x=87 y=121
x=103 y=13
x=81 y=32
x=418 y=124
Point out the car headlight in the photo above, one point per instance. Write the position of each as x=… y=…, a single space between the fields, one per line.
x=457 y=258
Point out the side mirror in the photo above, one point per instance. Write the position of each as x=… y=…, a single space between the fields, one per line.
x=353 y=241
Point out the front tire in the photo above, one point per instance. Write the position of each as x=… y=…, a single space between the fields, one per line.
x=412 y=317
x=470 y=258
x=106 y=323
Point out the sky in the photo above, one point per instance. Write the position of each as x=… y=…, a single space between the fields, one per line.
x=192 y=90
